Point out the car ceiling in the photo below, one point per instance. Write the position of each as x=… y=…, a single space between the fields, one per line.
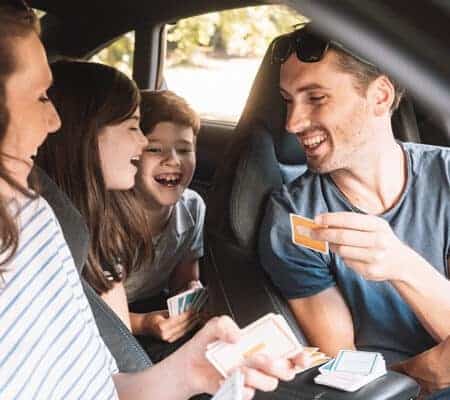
x=407 y=38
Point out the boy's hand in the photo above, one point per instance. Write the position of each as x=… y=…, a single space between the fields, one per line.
x=170 y=329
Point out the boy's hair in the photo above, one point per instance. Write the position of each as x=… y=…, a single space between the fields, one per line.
x=166 y=106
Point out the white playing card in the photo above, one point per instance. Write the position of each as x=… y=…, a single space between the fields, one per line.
x=232 y=388
x=268 y=335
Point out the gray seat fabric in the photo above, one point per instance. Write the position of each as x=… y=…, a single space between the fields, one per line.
x=129 y=355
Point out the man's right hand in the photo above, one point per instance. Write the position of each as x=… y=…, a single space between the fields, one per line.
x=169 y=329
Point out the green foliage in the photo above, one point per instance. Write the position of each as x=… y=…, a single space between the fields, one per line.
x=243 y=32
x=119 y=54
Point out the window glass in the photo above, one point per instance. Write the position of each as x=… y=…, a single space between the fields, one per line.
x=118 y=54
x=212 y=59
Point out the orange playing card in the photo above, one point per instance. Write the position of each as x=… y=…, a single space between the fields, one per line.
x=301 y=228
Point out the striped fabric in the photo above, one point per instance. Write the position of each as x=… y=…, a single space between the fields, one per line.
x=50 y=347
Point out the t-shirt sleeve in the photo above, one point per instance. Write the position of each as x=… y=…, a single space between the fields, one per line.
x=295 y=270
x=195 y=249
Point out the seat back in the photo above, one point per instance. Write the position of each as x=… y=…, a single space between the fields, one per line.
x=261 y=158
x=129 y=355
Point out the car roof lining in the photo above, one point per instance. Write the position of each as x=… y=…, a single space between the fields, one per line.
x=388 y=32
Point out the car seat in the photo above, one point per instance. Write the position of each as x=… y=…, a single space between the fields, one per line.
x=260 y=158
x=129 y=355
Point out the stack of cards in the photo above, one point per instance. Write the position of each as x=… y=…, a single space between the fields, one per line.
x=269 y=335
x=301 y=228
x=232 y=388
x=351 y=370
x=192 y=299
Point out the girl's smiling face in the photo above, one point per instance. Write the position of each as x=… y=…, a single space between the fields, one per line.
x=120 y=147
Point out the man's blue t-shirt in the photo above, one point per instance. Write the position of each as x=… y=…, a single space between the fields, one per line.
x=382 y=320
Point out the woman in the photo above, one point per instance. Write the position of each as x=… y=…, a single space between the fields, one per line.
x=48 y=337
x=49 y=344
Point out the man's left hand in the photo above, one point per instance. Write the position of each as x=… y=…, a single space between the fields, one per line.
x=366 y=243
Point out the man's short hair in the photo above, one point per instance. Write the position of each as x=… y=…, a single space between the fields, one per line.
x=364 y=74
x=166 y=106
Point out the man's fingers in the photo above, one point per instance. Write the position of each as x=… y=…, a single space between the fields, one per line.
x=348 y=237
x=350 y=220
x=360 y=254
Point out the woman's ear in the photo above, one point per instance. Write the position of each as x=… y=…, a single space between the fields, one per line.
x=381 y=94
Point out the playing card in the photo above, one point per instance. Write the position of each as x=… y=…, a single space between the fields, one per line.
x=351 y=370
x=317 y=359
x=328 y=367
x=232 y=388
x=201 y=300
x=268 y=335
x=184 y=301
x=358 y=362
x=301 y=228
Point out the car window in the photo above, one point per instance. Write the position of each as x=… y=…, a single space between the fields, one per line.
x=212 y=59
x=118 y=54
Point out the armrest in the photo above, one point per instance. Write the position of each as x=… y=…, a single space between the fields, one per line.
x=392 y=386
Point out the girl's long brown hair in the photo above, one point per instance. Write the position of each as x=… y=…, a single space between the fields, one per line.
x=17 y=21
x=89 y=97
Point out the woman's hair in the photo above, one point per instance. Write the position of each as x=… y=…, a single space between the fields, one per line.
x=17 y=21
x=88 y=98
x=166 y=106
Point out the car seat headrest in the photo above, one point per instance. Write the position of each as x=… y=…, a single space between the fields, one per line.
x=265 y=107
x=404 y=122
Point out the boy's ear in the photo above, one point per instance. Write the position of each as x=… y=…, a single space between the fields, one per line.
x=381 y=95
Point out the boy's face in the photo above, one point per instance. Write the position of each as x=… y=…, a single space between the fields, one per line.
x=167 y=164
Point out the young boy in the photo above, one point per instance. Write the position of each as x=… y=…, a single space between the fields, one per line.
x=175 y=214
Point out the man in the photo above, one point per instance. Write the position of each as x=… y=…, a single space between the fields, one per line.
x=384 y=207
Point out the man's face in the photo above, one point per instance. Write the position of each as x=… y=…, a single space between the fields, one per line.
x=326 y=112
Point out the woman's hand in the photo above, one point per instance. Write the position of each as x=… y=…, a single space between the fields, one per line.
x=261 y=372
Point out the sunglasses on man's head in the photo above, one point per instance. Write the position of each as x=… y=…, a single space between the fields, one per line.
x=308 y=47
